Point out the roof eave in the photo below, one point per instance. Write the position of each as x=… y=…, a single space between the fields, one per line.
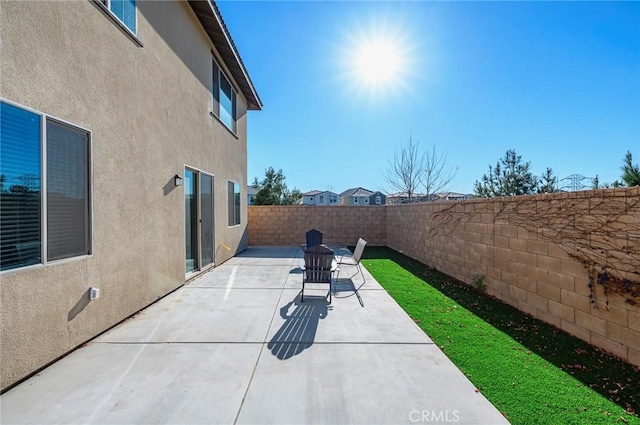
x=212 y=22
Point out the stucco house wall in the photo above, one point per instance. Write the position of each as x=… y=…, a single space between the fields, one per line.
x=149 y=112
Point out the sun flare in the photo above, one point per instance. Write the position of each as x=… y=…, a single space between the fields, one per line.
x=377 y=62
x=378 y=58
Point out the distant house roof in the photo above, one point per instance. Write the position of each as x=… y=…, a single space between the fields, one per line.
x=404 y=195
x=318 y=192
x=252 y=190
x=209 y=16
x=453 y=195
x=356 y=191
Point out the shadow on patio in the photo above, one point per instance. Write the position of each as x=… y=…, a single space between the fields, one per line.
x=298 y=331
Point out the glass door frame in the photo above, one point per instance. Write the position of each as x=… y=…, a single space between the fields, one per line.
x=198 y=265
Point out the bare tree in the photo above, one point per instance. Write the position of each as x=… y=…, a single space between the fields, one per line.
x=437 y=173
x=405 y=170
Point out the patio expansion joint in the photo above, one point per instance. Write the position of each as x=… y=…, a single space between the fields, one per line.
x=177 y=342
x=264 y=344
x=352 y=342
x=259 y=342
x=219 y=288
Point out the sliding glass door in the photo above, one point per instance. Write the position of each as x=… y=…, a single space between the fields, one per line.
x=191 y=219
x=206 y=219
x=199 y=221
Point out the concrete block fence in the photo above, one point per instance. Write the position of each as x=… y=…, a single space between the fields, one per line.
x=525 y=247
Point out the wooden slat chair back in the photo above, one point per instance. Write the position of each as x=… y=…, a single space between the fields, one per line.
x=314 y=238
x=317 y=267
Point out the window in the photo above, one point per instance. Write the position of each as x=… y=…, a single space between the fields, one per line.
x=32 y=206
x=125 y=11
x=224 y=98
x=378 y=200
x=321 y=200
x=234 y=203
x=334 y=199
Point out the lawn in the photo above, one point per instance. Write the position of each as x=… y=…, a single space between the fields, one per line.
x=534 y=373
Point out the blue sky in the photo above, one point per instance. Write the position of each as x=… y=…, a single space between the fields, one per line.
x=559 y=82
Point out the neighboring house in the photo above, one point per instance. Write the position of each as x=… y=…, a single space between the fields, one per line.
x=123 y=155
x=251 y=193
x=453 y=196
x=403 y=198
x=362 y=197
x=318 y=197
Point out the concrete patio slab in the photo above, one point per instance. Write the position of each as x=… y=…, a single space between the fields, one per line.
x=250 y=352
x=344 y=320
x=137 y=384
x=364 y=384
x=270 y=252
x=202 y=315
x=347 y=279
x=270 y=256
x=273 y=277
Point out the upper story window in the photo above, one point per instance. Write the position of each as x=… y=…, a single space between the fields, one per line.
x=321 y=200
x=125 y=11
x=378 y=200
x=224 y=98
x=45 y=212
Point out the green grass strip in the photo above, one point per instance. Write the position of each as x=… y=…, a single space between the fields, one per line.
x=533 y=372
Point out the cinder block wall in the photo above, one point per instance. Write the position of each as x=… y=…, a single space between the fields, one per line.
x=522 y=245
x=512 y=242
x=340 y=225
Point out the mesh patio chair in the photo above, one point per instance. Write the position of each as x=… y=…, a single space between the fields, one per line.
x=314 y=238
x=354 y=260
x=318 y=267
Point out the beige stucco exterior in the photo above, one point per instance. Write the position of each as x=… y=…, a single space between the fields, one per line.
x=148 y=109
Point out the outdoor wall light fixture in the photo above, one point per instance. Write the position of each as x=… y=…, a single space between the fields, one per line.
x=178 y=180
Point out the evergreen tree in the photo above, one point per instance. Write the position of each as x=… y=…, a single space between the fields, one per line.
x=630 y=172
x=510 y=177
x=548 y=182
x=273 y=190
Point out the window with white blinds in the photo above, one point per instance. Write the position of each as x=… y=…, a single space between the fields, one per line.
x=20 y=194
x=29 y=203
x=224 y=98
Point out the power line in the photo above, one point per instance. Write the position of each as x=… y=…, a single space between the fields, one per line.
x=575 y=182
